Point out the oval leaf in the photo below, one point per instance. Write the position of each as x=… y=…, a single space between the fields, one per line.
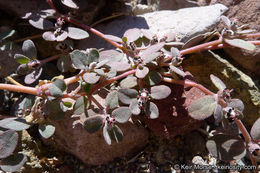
x=217 y=82
x=63 y=63
x=112 y=100
x=160 y=92
x=8 y=142
x=129 y=82
x=240 y=43
x=151 y=110
x=134 y=107
x=93 y=56
x=122 y=114
x=80 y=105
x=226 y=147
x=175 y=52
x=46 y=130
x=147 y=33
x=57 y=87
x=119 y=66
x=41 y=23
x=21 y=59
x=91 y=78
x=226 y=21
x=218 y=113
x=236 y=103
x=33 y=76
x=177 y=71
x=17 y=124
x=79 y=59
x=76 y=33
x=69 y=3
x=13 y=163
x=255 y=130
x=29 y=49
x=153 y=78
x=113 y=38
x=93 y=123
x=148 y=58
x=127 y=95
x=141 y=72
x=152 y=52
x=116 y=134
x=202 y=108
x=106 y=134
x=132 y=34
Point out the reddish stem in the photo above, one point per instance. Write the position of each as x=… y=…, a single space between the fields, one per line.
x=111 y=80
x=16 y=88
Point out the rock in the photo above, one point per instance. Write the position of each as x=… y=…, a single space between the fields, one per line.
x=246 y=12
x=141 y=9
x=185 y=22
x=92 y=148
x=175 y=4
x=244 y=87
x=88 y=10
x=174 y=118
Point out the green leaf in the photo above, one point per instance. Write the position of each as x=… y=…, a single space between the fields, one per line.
x=151 y=110
x=93 y=56
x=63 y=63
x=122 y=114
x=8 y=142
x=54 y=110
x=76 y=33
x=153 y=78
x=79 y=59
x=127 y=95
x=112 y=100
x=67 y=104
x=46 y=130
x=21 y=59
x=134 y=107
x=141 y=72
x=57 y=87
x=160 y=92
x=240 y=43
x=6 y=34
x=93 y=123
x=226 y=147
x=80 y=106
x=13 y=163
x=91 y=78
x=217 y=82
x=86 y=87
x=29 y=49
x=128 y=82
x=202 y=108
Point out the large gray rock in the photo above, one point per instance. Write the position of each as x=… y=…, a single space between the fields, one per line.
x=185 y=22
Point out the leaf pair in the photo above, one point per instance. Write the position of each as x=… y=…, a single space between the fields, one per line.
x=28 y=62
